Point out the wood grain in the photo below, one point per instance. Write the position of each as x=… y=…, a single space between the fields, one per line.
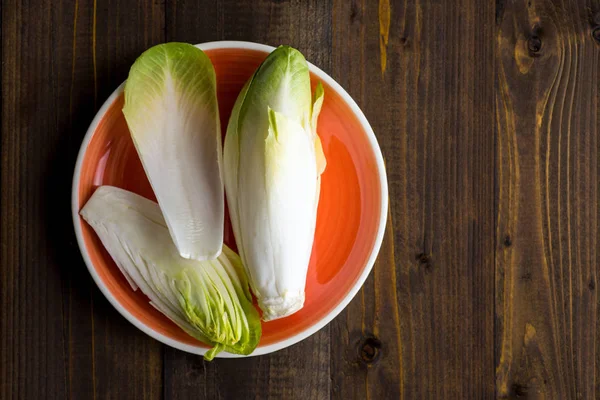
x=487 y=113
x=547 y=221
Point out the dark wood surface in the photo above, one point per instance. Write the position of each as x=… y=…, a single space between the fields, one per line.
x=486 y=286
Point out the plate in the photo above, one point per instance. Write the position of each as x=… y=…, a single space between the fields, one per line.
x=350 y=219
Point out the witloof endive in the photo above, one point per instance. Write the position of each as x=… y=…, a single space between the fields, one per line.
x=210 y=300
x=273 y=160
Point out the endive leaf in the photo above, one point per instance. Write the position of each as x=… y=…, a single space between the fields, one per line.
x=316 y=111
x=207 y=299
x=171 y=110
x=317 y=105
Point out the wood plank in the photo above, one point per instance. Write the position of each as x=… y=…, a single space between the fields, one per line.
x=547 y=100
x=301 y=371
x=423 y=73
x=297 y=372
x=59 y=337
x=34 y=303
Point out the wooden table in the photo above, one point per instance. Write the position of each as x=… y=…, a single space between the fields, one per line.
x=486 y=285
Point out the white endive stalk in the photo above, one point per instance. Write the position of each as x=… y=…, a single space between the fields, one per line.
x=172 y=112
x=209 y=300
x=272 y=165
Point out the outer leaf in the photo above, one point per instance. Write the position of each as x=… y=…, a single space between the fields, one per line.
x=171 y=110
x=316 y=111
x=208 y=299
x=317 y=105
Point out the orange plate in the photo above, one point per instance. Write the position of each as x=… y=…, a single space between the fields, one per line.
x=349 y=211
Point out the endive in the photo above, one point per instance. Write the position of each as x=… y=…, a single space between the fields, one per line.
x=272 y=165
x=210 y=300
x=171 y=110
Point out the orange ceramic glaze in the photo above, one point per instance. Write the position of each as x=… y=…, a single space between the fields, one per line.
x=347 y=221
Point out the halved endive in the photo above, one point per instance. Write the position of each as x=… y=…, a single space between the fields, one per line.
x=172 y=112
x=209 y=300
x=273 y=160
